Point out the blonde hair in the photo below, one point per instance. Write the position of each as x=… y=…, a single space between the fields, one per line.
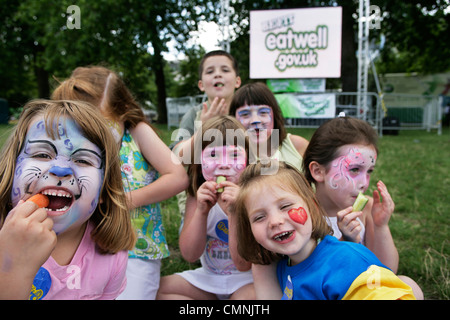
x=104 y=89
x=287 y=178
x=113 y=231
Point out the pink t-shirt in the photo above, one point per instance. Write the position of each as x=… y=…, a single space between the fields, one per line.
x=90 y=275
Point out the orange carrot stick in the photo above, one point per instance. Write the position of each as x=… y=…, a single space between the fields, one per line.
x=41 y=200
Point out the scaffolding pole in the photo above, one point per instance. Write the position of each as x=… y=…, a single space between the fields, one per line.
x=224 y=24
x=363 y=57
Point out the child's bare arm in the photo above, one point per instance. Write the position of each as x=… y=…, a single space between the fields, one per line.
x=266 y=282
x=379 y=238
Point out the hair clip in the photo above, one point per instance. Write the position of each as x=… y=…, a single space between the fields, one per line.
x=341 y=114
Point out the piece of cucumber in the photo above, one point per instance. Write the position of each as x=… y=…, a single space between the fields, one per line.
x=360 y=202
x=219 y=180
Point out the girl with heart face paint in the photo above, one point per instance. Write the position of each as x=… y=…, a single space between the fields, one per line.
x=219 y=149
x=339 y=161
x=63 y=150
x=283 y=231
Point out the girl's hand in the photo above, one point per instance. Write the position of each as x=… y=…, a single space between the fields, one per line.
x=229 y=195
x=349 y=226
x=206 y=196
x=27 y=239
x=382 y=211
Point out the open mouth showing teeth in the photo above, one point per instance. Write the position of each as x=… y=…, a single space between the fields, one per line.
x=283 y=236
x=218 y=85
x=59 y=200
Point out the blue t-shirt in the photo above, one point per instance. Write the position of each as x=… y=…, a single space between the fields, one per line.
x=328 y=272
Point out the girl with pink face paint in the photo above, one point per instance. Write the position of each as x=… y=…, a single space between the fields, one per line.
x=339 y=160
x=206 y=232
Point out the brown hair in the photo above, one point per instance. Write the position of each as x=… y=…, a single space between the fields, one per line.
x=288 y=178
x=257 y=93
x=104 y=89
x=217 y=53
x=113 y=230
x=333 y=134
x=225 y=127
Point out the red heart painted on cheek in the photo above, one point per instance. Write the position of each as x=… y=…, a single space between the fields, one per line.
x=298 y=215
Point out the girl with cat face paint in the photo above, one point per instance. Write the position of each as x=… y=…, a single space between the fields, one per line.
x=64 y=151
x=69 y=171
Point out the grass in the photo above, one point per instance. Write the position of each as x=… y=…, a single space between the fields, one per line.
x=415 y=166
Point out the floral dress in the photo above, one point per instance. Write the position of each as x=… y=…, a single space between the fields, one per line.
x=146 y=220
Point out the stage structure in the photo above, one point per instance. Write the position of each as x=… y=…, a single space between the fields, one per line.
x=363 y=55
x=224 y=24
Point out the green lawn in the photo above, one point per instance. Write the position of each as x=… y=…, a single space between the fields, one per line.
x=415 y=167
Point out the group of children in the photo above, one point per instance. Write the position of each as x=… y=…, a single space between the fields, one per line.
x=280 y=225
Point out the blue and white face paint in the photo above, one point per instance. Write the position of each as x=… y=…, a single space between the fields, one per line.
x=257 y=120
x=69 y=170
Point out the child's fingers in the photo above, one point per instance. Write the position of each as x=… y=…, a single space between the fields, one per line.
x=376 y=196
x=205 y=107
x=384 y=195
x=225 y=184
x=23 y=209
x=341 y=214
x=221 y=109
x=346 y=216
x=40 y=199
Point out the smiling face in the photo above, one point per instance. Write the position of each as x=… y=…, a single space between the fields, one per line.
x=69 y=170
x=228 y=161
x=257 y=120
x=270 y=212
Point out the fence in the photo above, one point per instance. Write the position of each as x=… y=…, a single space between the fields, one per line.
x=177 y=107
x=416 y=112
x=346 y=102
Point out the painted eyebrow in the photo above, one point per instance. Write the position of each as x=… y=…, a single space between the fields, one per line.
x=93 y=152
x=46 y=142
x=54 y=148
x=87 y=150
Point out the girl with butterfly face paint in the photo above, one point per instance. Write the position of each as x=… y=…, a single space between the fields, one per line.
x=339 y=161
x=62 y=151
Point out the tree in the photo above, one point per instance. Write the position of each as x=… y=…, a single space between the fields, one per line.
x=417 y=36
x=37 y=40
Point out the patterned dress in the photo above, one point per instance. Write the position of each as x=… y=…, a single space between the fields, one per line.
x=146 y=220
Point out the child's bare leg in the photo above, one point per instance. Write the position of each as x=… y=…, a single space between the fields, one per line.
x=175 y=287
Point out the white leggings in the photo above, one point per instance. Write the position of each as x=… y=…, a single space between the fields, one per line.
x=142 y=279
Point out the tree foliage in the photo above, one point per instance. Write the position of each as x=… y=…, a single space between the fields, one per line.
x=130 y=36
x=127 y=35
x=417 y=36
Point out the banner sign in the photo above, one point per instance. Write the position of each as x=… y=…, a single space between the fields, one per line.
x=317 y=106
x=296 y=85
x=296 y=43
